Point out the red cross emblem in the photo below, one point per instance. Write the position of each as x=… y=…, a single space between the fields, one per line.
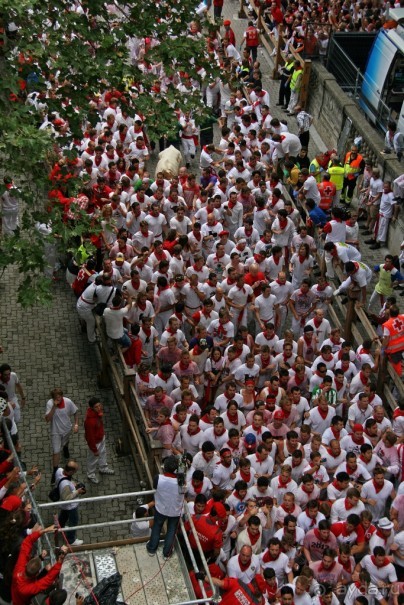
x=398 y=324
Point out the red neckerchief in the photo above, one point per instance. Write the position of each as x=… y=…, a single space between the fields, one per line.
x=363 y=378
x=265 y=363
x=267 y=557
x=184 y=366
x=173 y=475
x=166 y=422
x=198 y=430
x=233 y=419
x=244 y=566
x=317 y=322
x=338 y=387
x=161 y=255
x=238 y=352
x=386 y=561
x=144 y=377
x=322 y=568
x=160 y=375
x=245 y=475
x=347 y=566
x=380 y=535
x=302 y=259
x=362 y=589
x=176 y=418
x=304 y=489
x=348 y=505
x=398 y=413
x=283 y=484
x=198 y=488
x=221 y=331
x=287 y=510
x=322 y=413
x=272 y=591
x=378 y=488
x=141 y=306
x=253 y=538
x=206 y=419
x=283 y=223
x=359 y=441
x=61 y=405
x=160 y=290
x=312 y=521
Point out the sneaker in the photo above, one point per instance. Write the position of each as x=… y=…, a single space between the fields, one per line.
x=150 y=553
x=370 y=241
x=93 y=479
x=66 y=452
x=107 y=471
x=167 y=557
x=77 y=542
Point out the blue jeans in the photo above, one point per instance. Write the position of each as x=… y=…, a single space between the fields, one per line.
x=172 y=524
x=72 y=517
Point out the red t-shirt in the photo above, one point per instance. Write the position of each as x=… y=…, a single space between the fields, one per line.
x=210 y=535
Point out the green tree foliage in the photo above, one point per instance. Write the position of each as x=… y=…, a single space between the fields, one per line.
x=70 y=53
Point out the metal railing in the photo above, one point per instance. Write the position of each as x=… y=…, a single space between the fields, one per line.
x=347 y=74
x=43 y=541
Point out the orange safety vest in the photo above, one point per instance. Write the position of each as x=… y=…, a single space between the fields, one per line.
x=352 y=166
x=395 y=326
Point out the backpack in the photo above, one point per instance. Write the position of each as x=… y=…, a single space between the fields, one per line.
x=54 y=494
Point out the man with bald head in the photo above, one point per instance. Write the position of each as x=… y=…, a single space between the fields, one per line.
x=245 y=565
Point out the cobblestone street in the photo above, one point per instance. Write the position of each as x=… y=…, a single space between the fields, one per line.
x=45 y=348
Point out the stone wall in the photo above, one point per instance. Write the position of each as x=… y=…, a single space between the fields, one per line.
x=338 y=121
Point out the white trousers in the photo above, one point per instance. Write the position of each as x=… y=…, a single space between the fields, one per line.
x=383 y=228
x=97 y=462
x=88 y=316
x=188 y=148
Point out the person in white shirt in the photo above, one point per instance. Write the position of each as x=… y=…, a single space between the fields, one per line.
x=376 y=492
x=320 y=325
x=349 y=505
x=243 y=566
x=273 y=557
x=380 y=568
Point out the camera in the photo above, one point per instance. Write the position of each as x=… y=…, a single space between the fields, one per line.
x=81 y=486
x=182 y=473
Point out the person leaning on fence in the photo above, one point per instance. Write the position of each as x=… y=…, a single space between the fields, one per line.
x=168 y=508
x=27 y=582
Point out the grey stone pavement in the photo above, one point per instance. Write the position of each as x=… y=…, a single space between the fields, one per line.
x=46 y=349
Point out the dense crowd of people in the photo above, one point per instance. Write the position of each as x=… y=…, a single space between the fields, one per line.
x=217 y=288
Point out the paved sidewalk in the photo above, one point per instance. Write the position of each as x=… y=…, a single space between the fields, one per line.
x=46 y=349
